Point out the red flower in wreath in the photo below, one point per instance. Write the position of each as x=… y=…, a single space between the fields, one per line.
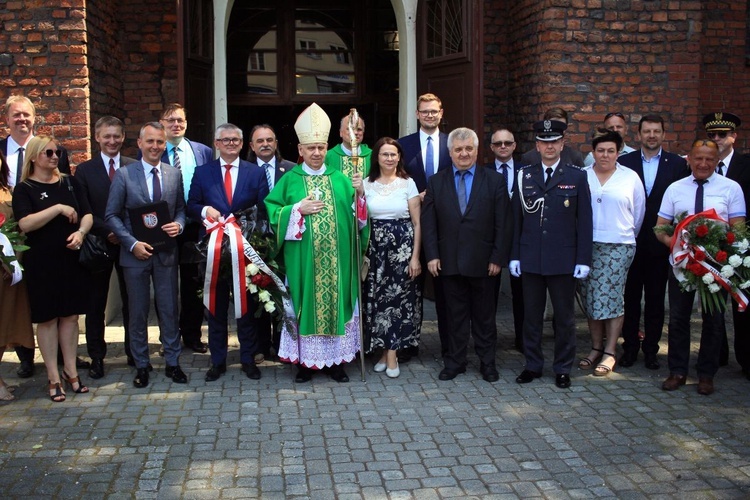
x=730 y=238
x=697 y=269
x=721 y=256
x=701 y=230
x=2 y=219
x=700 y=255
x=261 y=280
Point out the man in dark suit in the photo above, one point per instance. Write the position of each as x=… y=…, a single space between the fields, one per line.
x=95 y=177
x=503 y=144
x=20 y=116
x=186 y=155
x=219 y=189
x=138 y=184
x=721 y=127
x=568 y=156
x=650 y=269
x=464 y=224
x=264 y=153
x=552 y=243
x=425 y=154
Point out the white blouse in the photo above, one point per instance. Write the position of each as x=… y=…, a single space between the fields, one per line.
x=390 y=201
x=618 y=206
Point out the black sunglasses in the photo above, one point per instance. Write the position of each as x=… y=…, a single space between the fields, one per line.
x=507 y=144
x=714 y=135
x=50 y=152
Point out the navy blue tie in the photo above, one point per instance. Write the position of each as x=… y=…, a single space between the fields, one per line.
x=429 y=160
x=505 y=168
x=699 y=195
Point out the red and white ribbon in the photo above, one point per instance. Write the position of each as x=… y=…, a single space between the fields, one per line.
x=217 y=230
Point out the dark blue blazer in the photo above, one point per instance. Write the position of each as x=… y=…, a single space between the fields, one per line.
x=739 y=171
x=202 y=153
x=207 y=189
x=282 y=167
x=671 y=168
x=413 y=162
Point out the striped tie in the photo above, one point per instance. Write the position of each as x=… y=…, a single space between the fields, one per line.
x=176 y=161
x=269 y=176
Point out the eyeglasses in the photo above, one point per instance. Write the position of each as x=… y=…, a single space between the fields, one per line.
x=705 y=142
x=506 y=144
x=429 y=112
x=229 y=140
x=717 y=135
x=610 y=115
x=178 y=121
x=50 y=152
x=388 y=155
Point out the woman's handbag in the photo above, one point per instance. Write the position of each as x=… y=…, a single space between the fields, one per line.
x=94 y=254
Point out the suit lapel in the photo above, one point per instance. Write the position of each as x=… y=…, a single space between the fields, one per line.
x=662 y=180
x=140 y=178
x=476 y=184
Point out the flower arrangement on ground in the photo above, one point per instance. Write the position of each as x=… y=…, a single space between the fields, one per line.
x=708 y=255
x=11 y=243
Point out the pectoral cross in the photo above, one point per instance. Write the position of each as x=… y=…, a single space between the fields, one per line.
x=317 y=193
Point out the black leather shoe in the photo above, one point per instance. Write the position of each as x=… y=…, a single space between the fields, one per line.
x=141 y=378
x=303 y=374
x=97 y=368
x=628 y=359
x=652 y=363
x=562 y=380
x=446 y=374
x=489 y=373
x=82 y=364
x=176 y=374
x=26 y=370
x=198 y=347
x=251 y=370
x=339 y=374
x=215 y=371
x=527 y=376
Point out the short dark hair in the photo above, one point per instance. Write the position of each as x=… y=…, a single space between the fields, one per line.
x=651 y=119
x=108 y=121
x=604 y=135
x=556 y=114
x=375 y=166
x=171 y=108
x=251 y=156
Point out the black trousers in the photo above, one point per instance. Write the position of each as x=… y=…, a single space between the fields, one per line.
x=516 y=291
x=471 y=309
x=648 y=276
x=99 y=282
x=741 y=339
x=191 y=281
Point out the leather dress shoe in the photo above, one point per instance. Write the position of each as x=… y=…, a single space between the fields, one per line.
x=562 y=380
x=215 y=371
x=489 y=373
x=705 y=386
x=527 y=376
x=82 y=363
x=404 y=355
x=26 y=370
x=141 y=378
x=339 y=374
x=628 y=359
x=176 y=374
x=251 y=370
x=198 y=347
x=304 y=374
x=652 y=363
x=673 y=382
x=447 y=374
x=97 y=368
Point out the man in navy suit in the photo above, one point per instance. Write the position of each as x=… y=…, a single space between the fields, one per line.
x=220 y=188
x=95 y=177
x=264 y=153
x=138 y=184
x=186 y=155
x=721 y=127
x=503 y=144
x=552 y=243
x=425 y=154
x=649 y=271
x=466 y=239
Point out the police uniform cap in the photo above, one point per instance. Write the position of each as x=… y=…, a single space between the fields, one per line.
x=549 y=130
x=721 y=121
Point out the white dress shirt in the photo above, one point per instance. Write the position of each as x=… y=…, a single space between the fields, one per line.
x=435 y=148
x=11 y=158
x=618 y=206
x=499 y=170
x=720 y=193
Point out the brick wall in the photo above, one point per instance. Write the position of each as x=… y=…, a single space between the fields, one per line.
x=43 y=56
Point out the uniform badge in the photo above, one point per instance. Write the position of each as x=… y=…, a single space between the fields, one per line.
x=566 y=203
x=150 y=220
x=527 y=176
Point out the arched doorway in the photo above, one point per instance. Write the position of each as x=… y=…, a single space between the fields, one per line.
x=340 y=54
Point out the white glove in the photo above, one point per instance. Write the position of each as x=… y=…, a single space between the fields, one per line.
x=581 y=271
x=515 y=268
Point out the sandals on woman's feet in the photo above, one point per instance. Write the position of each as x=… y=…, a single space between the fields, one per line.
x=73 y=381
x=58 y=396
x=6 y=393
x=588 y=363
x=603 y=369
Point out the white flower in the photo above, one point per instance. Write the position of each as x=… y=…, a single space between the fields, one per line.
x=743 y=245
x=264 y=296
x=746 y=262
x=708 y=278
x=713 y=287
x=745 y=285
x=269 y=307
x=252 y=269
x=252 y=288
x=735 y=261
x=727 y=271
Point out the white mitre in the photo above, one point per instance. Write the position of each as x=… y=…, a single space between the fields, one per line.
x=313 y=125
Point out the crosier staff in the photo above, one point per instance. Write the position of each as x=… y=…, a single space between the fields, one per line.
x=356 y=159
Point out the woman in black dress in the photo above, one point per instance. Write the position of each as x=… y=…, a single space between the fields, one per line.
x=44 y=206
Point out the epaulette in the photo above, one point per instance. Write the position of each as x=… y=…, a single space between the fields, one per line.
x=574 y=166
x=525 y=166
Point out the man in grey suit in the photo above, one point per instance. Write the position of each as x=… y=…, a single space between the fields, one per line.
x=133 y=186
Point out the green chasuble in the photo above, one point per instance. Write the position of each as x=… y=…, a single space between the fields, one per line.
x=321 y=267
x=338 y=159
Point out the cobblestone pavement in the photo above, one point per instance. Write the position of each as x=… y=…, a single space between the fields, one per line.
x=412 y=437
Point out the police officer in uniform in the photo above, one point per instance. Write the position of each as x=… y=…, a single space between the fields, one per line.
x=552 y=242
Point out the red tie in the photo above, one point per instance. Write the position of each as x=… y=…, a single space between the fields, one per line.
x=228 y=184
x=111 y=169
